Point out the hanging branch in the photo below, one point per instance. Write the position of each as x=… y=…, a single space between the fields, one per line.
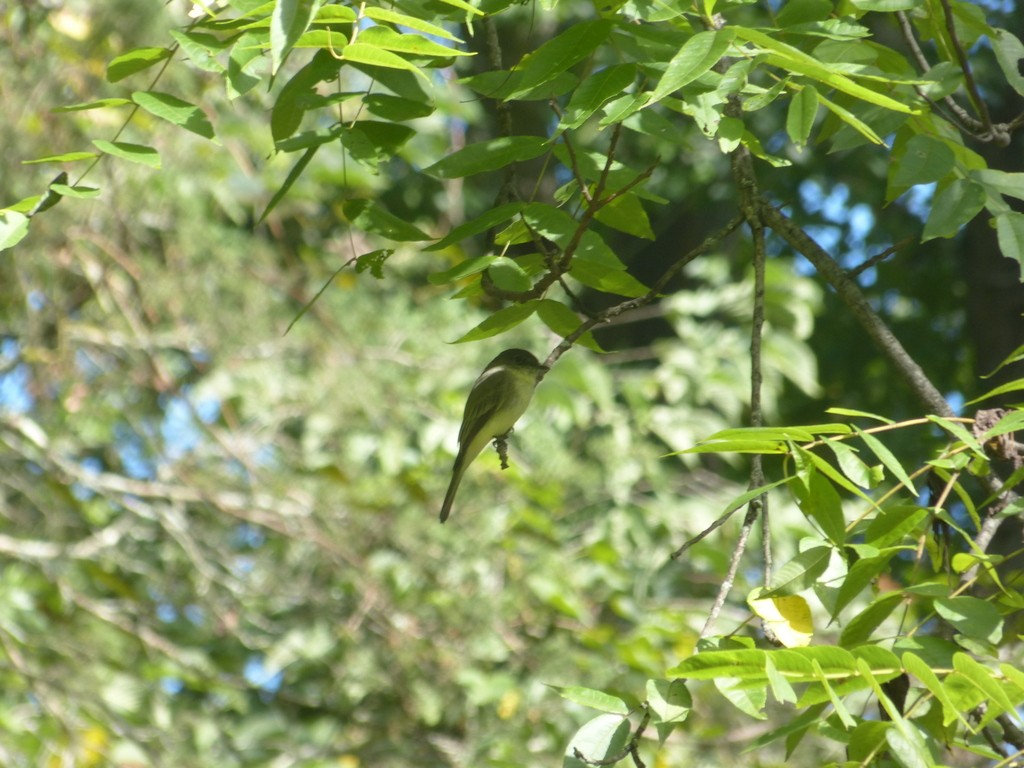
x=905 y=365
x=650 y=297
x=965 y=66
x=746 y=184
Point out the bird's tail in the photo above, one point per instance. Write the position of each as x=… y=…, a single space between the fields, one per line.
x=453 y=486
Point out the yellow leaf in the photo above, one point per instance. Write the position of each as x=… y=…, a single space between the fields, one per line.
x=789 y=617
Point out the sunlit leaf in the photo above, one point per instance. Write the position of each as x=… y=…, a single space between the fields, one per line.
x=136 y=153
x=133 y=61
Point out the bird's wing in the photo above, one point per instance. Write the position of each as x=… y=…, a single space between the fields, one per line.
x=483 y=402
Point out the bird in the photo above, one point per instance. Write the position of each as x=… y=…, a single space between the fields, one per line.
x=499 y=396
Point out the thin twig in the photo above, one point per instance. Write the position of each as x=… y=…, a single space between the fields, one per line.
x=703 y=534
x=734 y=564
x=878 y=258
x=857 y=303
x=972 y=86
x=575 y=167
x=652 y=295
x=756 y=381
x=959 y=113
x=746 y=184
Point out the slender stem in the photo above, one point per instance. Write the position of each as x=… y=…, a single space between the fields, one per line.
x=734 y=564
x=858 y=305
x=972 y=86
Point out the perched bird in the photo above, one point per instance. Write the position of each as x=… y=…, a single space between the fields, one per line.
x=496 y=401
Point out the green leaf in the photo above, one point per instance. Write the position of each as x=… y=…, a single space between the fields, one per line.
x=395 y=107
x=409 y=22
x=954 y=205
x=1000 y=182
x=133 y=61
x=81 y=192
x=744 y=663
x=342 y=14
x=136 y=153
x=959 y=432
x=299 y=94
x=907 y=745
x=894 y=523
x=243 y=59
x=596 y=274
x=800 y=117
x=804 y=456
x=626 y=214
x=482 y=223
x=361 y=53
x=289 y=19
x=599 y=739
x=853 y=466
x=371 y=217
x=698 y=55
x=985 y=681
x=374 y=261
x=462 y=5
x=13 y=228
x=919 y=669
x=669 y=700
x=1010 y=386
x=563 y=321
x=462 y=269
x=201 y=49
x=1015 y=677
x=781 y=689
x=509 y=276
x=862 y=573
x=1010 y=229
x=885 y=6
x=799 y=573
x=594 y=699
x=859 y=414
x=308 y=139
x=402 y=83
x=794 y=60
x=887 y=458
x=488 y=156
x=416 y=45
x=820 y=502
x=67 y=157
x=1009 y=53
x=176 y=111
x=977 y=619
x=850 y=119
x=747 y=699
x=500 y=83
x=1011 y=421
x=558 y=54
x=98 y=104
x=620 y=109
x=594 y=92
x=923 y=161
x=803 y=12
x=500 y=321
x=372 y=142
x=292 y=177
x=837 y=704
x=739 y=446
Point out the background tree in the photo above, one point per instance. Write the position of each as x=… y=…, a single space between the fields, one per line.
x=220 y=433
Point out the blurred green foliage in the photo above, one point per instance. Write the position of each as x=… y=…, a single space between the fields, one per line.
x=219 y=538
